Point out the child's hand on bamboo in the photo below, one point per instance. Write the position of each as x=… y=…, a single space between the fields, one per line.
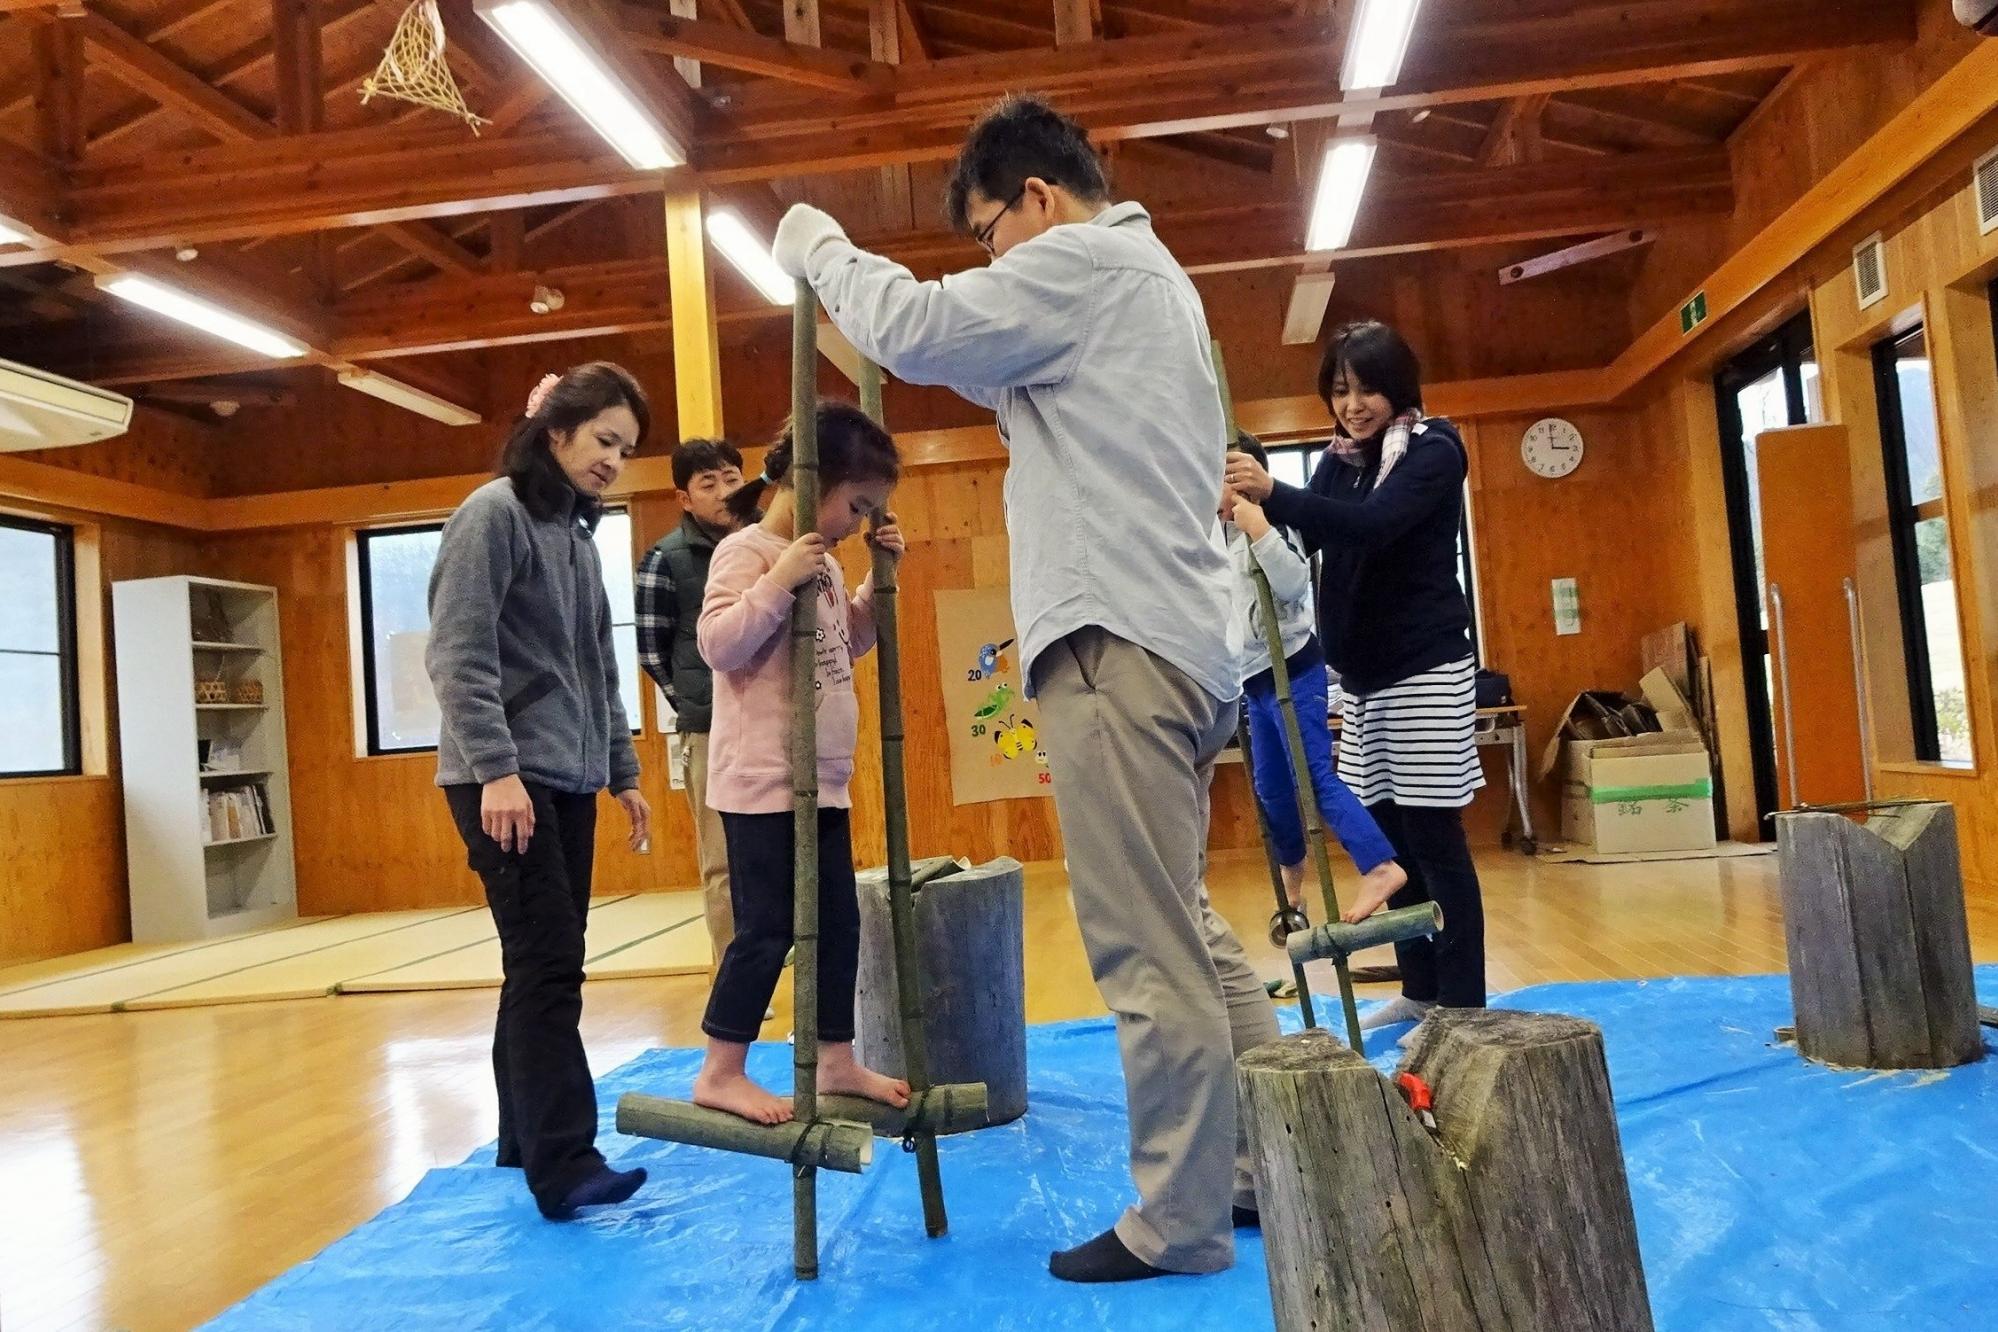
x=888 y=537
x=1249 y=516
x=800 y=562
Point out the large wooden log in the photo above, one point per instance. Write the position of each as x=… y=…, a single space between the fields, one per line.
x=1879 y=946
x=831 y=1143
x=1513 y=1215
x=969 y=931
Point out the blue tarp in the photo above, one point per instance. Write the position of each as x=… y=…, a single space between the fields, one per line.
x=1770 y=1194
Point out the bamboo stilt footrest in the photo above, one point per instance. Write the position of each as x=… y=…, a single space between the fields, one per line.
x=1339 y=940
x=831 y=1144
x=957 y=1107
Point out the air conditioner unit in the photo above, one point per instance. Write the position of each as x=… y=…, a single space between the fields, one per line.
x=39 y=410
x=1979 y=15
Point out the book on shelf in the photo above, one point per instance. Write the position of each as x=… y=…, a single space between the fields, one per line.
x=235 y=813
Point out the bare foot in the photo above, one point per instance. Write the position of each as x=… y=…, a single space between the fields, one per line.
x=739 y=1095
x=1293 y=884
x=849 y=1077
x=1377 y=885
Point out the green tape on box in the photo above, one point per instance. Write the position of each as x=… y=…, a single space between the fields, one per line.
x=1623 y=795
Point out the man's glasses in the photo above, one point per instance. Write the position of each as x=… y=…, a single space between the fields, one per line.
x=984 y=234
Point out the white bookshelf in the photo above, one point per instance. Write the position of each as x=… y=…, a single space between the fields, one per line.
x=187 y=882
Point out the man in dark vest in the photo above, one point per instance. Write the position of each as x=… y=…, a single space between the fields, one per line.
x=672 y=579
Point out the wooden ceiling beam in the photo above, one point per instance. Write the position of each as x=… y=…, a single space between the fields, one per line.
x=146 y=70
x=31 y=194
x=651 y=28
x=59 y=75
x=1077 y=21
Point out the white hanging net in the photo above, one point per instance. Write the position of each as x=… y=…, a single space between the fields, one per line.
x=413 y=67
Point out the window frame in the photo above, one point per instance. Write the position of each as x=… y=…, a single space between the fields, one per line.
x=66 y=651
x=1904 y=516
x=370 y=698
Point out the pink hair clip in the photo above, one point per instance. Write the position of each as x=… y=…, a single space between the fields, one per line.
x=541 y=392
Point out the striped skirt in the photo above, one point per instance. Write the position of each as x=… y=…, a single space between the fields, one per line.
x=1412 y=741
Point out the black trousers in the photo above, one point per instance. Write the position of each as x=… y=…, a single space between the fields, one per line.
x=540 y=899
x=761 y=887
x=1430 y=844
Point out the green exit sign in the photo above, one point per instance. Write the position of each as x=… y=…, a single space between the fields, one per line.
x=1693 y=313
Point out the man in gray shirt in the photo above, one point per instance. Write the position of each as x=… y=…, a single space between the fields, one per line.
x=1089 y=342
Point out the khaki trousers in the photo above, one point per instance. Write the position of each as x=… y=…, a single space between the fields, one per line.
x=1131 y=744
x=710 y=844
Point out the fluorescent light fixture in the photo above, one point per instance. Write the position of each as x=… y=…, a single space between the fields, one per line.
x=197 y=313
x=1376 y=43
x=409 y=397
x=542 y=39
x=751 y=257
x=1342 y=180
x=9 y=236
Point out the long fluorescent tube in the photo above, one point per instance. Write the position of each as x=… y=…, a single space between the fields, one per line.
x=541 y=38
x=9 y=236
x=197 y=313
x=409 y=397
x=1342 y=180
x=1377 y=42
x=751 y=257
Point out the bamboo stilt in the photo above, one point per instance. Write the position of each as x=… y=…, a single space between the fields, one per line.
x=941 y=1110
x=895 y=802
x=1307 y=795
x=1304 y=1006
x=805 y=776
x=1338 y=940
x=833 y=1143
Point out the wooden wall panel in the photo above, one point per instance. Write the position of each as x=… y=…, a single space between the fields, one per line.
x=162 y=450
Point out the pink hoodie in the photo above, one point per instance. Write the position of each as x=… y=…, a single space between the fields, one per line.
x=745 y=619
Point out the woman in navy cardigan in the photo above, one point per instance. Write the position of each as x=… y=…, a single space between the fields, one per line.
x=1383 y=511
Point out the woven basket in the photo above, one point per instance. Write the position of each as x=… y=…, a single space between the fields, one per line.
x=211 y=691
x=248 y=691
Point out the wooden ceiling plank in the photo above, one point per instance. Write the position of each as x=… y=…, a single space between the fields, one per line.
x=651 y=28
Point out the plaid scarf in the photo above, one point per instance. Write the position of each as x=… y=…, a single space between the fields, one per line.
x=1394 y=443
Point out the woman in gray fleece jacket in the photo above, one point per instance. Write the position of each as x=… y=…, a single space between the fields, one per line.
x=533 y=728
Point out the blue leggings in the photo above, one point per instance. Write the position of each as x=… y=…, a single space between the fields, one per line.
x=1276 y=783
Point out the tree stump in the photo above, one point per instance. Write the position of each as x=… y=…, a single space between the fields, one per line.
x=970 y=927
x=1513 y=1215
x=1879 y=947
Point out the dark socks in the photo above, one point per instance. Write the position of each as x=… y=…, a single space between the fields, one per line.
x=1248 y=1218
x=604 y=1187
x=1100 y=1260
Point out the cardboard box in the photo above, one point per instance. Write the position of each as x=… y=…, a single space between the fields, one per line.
x=1639 y=793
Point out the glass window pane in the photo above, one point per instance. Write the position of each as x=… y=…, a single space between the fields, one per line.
x=31 y=713
x=1945 y=643
x=399 y=566
x=1918 y=418
x=1764 y=405
x=614 y=552
x=625 y=638
x=28 y=621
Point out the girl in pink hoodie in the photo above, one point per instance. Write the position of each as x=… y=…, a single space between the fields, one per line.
x=755 y=578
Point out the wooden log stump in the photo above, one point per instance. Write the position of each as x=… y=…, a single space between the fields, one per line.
x=970 y=927
x=1879 y=947
x=1512 y=1216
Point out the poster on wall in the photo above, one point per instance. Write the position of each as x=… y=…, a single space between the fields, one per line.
x=995 y=752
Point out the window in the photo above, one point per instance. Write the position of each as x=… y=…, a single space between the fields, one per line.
x=1919 y=526
x=395 y=568
x=38 y=712
x=1773 y=384
x=1293 y=464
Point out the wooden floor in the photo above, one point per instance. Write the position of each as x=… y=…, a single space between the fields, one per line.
x=160 y=1166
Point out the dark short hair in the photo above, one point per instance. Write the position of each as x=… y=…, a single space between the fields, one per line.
x=852 y=447
x=1020 y=137
x=580 y=396
x=1249 y=444
x=1379 y=358
x=695 y=456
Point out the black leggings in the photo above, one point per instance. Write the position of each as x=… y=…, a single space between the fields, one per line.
x=1430 y=844
x=761 y=886
x=540 y=901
